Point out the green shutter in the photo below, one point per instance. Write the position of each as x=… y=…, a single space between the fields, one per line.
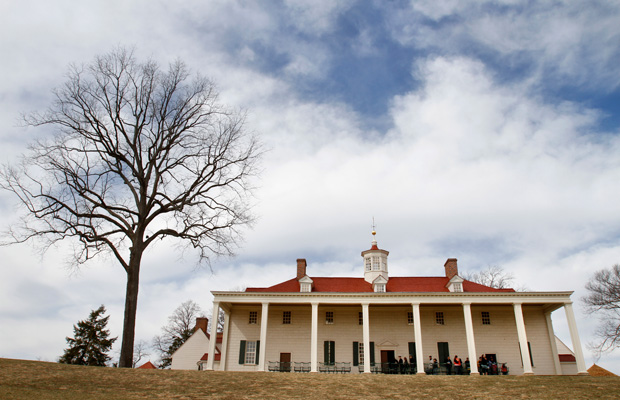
x=529 y=347
x=372 y=353
x=356 y=360
x=242 y=352
x=326 y=352
x=412 y=350
x=332 y=353
x=257 y=351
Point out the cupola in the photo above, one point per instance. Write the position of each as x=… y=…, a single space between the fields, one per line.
x=375 y=263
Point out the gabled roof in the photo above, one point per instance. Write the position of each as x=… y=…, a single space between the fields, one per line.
x=359 y=285
x=147 y=365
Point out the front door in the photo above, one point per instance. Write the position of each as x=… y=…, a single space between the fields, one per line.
x=387 y=358
x=444 y=352
x=285 y=362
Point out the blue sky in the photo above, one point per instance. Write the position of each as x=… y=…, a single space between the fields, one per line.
x=486 y=131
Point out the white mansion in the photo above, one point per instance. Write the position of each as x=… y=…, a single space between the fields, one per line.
x=316 y=322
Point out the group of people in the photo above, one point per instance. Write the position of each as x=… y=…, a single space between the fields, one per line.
x=456 y=366
x=406 y=366
x=487 y=365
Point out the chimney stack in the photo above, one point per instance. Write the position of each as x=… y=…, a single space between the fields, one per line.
x=202 y=323
x=451 y=268
x=301 y=268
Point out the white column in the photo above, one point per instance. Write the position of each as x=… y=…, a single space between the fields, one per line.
x=471 y=341
x=314 y=338
x=554 y=347
x=263 y=336
x=213 y=339
x=366 y=337
x=224 y=348
x=417 y=334
x=525 y=351
x=574 y=337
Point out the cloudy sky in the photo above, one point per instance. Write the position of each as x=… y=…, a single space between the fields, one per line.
x=485 y=131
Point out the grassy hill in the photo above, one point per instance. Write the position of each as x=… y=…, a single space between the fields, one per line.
x=40 y=380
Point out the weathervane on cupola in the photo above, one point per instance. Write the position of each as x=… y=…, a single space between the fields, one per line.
x=375 y=264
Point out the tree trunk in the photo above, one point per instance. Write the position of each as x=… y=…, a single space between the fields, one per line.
x=131 y=306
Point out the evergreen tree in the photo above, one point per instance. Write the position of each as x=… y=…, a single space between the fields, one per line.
x=91 y=341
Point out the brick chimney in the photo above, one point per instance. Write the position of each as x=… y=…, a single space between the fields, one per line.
x=451 y=268
x=202 y=323
x=301 y=268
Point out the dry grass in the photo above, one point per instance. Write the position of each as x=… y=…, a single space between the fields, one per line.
x=39 y=380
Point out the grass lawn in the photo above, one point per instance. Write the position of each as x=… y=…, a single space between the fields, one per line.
x=40 y=380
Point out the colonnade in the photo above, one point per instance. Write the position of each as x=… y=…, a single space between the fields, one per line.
x=417 y=326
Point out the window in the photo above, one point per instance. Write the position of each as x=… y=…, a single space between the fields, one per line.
x=305 y=287
x=439 y=318
x=380 y=288
x=329 y=352
x=361 y=318
x=368 y=263
x=375 y=263
x=360 y=348
x=457 y=287
x=248 y=352
x=329 y=317
x=410 y=318
x=253 y=317
x=358 y=353
x=486 y=318
x=286 y=317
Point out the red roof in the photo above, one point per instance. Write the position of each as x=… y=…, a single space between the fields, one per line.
x=566 y=357
x=394 y=285
x=147 y=365
x=205 y=357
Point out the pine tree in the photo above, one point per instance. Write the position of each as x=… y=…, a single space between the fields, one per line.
x=91 y=341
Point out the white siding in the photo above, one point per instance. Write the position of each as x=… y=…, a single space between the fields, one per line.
x=188 y=355
x=389 y=330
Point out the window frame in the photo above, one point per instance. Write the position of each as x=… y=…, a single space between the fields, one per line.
x=440 y=318
x=250 y=354
x=409 y=317
x=329 y=317
x=253 y=318
x=485 y=319
x=287 y=317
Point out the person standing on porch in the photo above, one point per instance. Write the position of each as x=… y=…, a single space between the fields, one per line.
x=448 y=366
x=458 y=365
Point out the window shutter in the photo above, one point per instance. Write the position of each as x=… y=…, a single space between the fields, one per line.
x=372 y=353
x=356 y=359
x=332 y=353
x=257 y=352
x=242 y=352
x=529 y=347
x=326 y=352
x=412 y=350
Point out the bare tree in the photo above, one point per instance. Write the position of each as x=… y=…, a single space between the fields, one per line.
x=604 y=298
x=140 y=350
x=139 y=155
x=180 y=326
x=493 y=276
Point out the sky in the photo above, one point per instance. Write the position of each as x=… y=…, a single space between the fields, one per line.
x=487 y=131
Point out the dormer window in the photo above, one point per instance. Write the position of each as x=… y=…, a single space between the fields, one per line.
x=380 y=288
x=305 y=284
x=455 y=284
